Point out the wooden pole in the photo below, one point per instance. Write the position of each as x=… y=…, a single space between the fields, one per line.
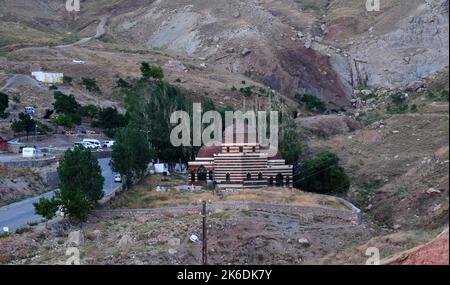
x=205 y=248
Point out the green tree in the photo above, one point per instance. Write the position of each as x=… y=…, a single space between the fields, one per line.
x=65 y=104
x=68 y=106
x=291 y=146
x=322 y=174
x=4 y=102
x=24 y=124
x=81 y=183
x=151 y=71
x=89 y=111
x=46 y=208
x=130 y=154
x=149 y=107
x=63 y=120
x=109 y=119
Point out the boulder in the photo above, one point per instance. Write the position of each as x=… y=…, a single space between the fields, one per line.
x=304 y=242
x=414 y=86
x=246 y=52
x=76 y=238
x=433 y=191
x=125 y=241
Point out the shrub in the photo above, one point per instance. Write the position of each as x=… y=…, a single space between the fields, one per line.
x=441 y=96
x=68 y=80
x=398 y=109
x=311 y=102
x=322 y=174
x=398 y=98
x=89 y=111
x=90 y=84
x=123 y=84
x=4 y=103
x=151 y=71
x=247 y=91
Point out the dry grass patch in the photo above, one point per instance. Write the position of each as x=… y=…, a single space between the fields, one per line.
x=144 y=195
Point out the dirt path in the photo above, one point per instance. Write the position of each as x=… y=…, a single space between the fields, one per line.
x=100 y=32
x=20 y=79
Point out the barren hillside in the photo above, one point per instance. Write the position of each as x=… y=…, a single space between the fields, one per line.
x=318 y=47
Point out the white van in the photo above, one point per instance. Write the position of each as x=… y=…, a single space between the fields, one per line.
x=29 y=152
x=95 y=143
x=108 y=144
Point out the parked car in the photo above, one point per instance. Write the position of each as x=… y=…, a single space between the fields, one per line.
x=94 y=142
x=108 y=144
x=80 y=130
x=30 y=110
x=85 y=145
x=118 y=178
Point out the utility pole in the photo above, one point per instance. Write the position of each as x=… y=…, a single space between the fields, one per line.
x=204 y=248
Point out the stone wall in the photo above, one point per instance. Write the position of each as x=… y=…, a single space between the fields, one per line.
x=30 y=163
x=305 y=213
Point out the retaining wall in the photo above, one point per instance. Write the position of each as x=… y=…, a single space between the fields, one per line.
x=31 y=163
x=308 y=213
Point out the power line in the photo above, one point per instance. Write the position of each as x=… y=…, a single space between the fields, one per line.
x=295 y=174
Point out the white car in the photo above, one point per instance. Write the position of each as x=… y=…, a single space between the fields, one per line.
x=95 y=143
x=118 y=178
x=85 y=145
x=108 y=144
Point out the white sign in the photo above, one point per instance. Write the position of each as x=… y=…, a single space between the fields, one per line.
x=48 y=77
x=6 y=229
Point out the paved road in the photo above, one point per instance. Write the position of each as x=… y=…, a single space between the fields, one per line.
x=19 y=214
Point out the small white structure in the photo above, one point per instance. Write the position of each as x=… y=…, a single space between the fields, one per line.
x=160 y=168
x=180 y=168
x=48 y=77
x=29 y=152
x=78 y=61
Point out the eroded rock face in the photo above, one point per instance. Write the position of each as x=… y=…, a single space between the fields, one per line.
x=264 y=45
x=432 y=253
x=400 y=52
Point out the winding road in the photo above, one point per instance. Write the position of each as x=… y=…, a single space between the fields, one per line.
x=17 y=215
x=100 y=32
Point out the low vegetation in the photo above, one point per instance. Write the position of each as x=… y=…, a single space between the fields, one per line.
x=311 y=102
x=4 y=102
x=151 y=71
x=90 y=84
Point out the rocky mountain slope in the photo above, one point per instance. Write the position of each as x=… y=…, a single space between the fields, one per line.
x=319 y=47
x=334 y=49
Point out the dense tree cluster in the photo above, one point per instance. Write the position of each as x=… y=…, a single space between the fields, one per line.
x=322 y=174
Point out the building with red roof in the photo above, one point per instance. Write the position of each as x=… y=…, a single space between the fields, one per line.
x=240 y=163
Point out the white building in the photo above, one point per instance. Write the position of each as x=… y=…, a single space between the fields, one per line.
x=48 y=77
